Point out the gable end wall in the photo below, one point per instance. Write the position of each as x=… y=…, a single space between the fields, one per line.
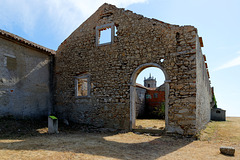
x=139 y=41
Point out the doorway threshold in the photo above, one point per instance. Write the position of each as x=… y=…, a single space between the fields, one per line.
x=151 y=131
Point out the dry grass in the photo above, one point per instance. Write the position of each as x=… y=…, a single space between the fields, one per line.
x=76 y=144
x=150 y=123
x=228 y=131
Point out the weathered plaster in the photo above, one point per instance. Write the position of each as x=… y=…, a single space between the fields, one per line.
x=24 y=86
x=204 y=93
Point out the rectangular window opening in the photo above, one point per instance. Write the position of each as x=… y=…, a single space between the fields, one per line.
x=105 y=35
x=82 y=86
x=10 y=62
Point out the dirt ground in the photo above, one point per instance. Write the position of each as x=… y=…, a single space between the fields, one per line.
x=30 y=140
x=150 y=123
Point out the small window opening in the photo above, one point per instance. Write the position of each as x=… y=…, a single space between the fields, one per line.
x=10 y=62
x=105 y=35
x=218 y=111
x=115 y=29
x=177 y=36
x=82 y=86
x=148 y=96
x=155 y=95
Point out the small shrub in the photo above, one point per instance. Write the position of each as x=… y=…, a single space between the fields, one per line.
x=158 y=112
x=215 y=102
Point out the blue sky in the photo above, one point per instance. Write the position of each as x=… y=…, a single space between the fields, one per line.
x=49 y=22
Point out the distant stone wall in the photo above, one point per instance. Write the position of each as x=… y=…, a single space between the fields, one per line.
x=140 y=101
x=24 y=81
x=138 y=41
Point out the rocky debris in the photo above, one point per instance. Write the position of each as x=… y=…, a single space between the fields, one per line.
x=147 y=134
x=227 y=151
x=140 y=127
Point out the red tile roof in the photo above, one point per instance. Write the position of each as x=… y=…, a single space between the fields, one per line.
x=141 y=86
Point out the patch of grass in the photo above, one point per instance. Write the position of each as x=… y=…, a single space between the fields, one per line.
x=222 y=130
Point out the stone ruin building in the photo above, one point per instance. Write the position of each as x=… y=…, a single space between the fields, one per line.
x=94 y=81
x=109 y=70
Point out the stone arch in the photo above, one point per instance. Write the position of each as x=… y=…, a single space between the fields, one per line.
x=134 y=76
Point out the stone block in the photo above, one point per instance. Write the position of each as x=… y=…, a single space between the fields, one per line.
x=52 y=124
x=183 y=110
x=227 y=151
x=189 y=99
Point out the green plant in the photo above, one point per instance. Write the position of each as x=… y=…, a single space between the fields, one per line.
x=52 y=117
x=215 y=102
x=159 y=111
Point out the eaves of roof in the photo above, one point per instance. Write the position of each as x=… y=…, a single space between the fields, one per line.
x=27 y=43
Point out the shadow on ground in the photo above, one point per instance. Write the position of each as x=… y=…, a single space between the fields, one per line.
x=76 y=139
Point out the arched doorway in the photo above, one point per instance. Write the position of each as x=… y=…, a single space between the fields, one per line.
x=133 y=94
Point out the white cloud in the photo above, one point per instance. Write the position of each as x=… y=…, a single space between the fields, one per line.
x=70 y=14
x=17 y=13
x=60 y=16
x=229 y=64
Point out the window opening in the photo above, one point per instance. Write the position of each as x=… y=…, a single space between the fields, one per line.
x=148 y=96
x=115 y=29
x=177 y=36
x=105 y=34
x=82 y=86
x=10 y=62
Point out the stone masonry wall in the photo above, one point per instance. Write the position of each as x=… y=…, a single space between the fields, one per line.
x=204 y=92
x=139 y=40
x=24 y=81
